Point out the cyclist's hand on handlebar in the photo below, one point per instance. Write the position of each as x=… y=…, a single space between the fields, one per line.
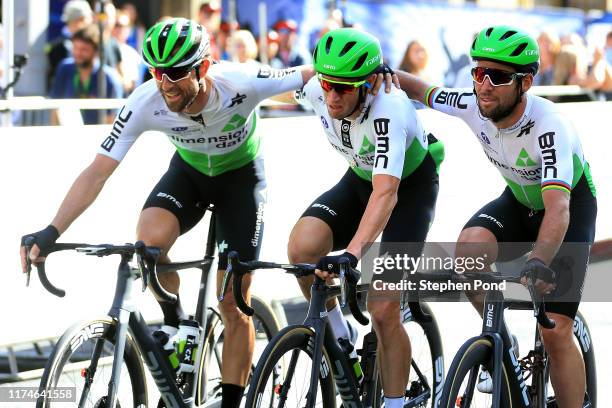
x=385 y=74
x=543 y=275
x=43 y=241
x=328 y=265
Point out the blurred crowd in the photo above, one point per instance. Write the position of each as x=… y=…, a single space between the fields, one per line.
x=74 y=57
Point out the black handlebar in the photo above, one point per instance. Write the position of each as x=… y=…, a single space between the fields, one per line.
x=236 y=269
x=147 y=260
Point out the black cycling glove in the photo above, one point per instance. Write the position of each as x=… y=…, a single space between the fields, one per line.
x=45 y=239
x=330 y=263
x=538 y=270
x=384 y=69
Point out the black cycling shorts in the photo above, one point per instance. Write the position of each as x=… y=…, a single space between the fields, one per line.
x=238 y=196
x=343 y=205
x=511 y=221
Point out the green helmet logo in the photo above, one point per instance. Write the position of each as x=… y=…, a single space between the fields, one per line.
x=347 y=53
x=507 y=45
x=177 y=42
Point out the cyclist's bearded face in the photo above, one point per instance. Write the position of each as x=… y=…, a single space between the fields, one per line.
x=178 y=94
x=497 y=102
x=339 y=98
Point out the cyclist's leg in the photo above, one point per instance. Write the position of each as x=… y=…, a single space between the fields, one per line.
x=567 y=371
x=496 y=222
x=239 y=199
x=416 y=203
x=328 y=224
x=170 y=210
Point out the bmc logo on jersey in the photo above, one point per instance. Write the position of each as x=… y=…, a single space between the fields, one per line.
x=549 y=156
x=324 y=122
x=381 y=128
x=452 y=99
x=118 y=126
x=267 y=72
x=485 y=138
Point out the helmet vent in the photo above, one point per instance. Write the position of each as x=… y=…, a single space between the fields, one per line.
x=360 y=62
x=347 y=48
x=507 y=34
x=328 y=44
x=519 y=49
x=314 y=54
x=489 y=31
x=474 y=44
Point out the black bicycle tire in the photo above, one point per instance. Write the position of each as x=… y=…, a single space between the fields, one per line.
x=84 y=330
x=289 y=338
x=432 y=333
x=263 y=312
x=476 y=351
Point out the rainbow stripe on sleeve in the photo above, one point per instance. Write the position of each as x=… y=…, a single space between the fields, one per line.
x=429 y=94
x=556 y=185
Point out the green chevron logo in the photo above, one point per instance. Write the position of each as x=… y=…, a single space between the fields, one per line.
x=234 y=123
x=523 y=159
x=366 y=147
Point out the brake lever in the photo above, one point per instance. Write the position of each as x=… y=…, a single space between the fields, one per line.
x=28 y=244
x=342 y=276
x=231 y=258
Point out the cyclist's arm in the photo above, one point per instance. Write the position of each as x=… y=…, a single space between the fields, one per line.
x=84 y=191
x=414 y=86
x=380 y=205
x=555 y=148
x=554 y=225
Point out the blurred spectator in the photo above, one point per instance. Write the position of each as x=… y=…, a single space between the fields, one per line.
x=77 y=14
x=76 y=77
x=599 y=78
x=137 y=30
x=289 y=54
x=225 y=30
x=210 y=17
x=570 y=66
x=549 y=45
x=243 y=47
x=131 y=61
x=415 y=60
x=112 y=53
x=273 y=44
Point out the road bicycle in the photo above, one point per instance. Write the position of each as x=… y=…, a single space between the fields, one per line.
x=305 y=366
x=517 y=382
x=86 y=355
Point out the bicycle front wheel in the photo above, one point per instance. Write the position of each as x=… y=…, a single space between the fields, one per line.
x=82 y=360
x=460 y=386
x=282 y=375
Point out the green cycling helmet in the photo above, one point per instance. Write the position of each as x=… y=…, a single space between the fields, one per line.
x=507 y=45
x=347 y=53
x=177 y=42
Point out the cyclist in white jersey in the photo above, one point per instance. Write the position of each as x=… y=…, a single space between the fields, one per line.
x=392 y=183
x=207 y=112
x=549 y=200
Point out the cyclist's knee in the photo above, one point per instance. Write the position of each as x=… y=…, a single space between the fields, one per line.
x=476 y=242
x=158 y=227
x=232 y=316
x=310 y=239
x=384 y=314
x=560 y=340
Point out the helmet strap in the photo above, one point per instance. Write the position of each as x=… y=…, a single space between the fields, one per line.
x=194 y=97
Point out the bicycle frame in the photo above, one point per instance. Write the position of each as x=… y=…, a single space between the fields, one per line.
x=126 y=313
x=494 y=328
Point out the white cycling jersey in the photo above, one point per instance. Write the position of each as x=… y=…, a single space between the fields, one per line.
x=386 y=138
x=220 y=138
x=541 y=151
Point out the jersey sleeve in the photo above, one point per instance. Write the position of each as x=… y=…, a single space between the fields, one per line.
x=556 y=152
x=308 y=93
x=127 y=126
x=268 y=81
x=459 y=102
x=391 y=122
